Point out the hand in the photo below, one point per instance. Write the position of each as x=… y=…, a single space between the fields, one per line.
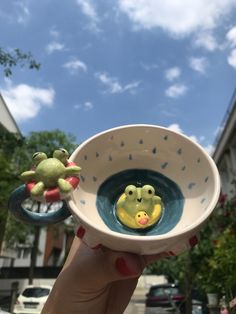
x=97 y=281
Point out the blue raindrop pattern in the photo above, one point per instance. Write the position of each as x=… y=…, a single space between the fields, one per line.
x=190 y=185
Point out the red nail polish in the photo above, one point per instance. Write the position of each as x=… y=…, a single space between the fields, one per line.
x=80 y=232
x=123 y=268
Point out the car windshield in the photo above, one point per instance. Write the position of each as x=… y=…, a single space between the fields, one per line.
x=161 y=291
x=35 y=292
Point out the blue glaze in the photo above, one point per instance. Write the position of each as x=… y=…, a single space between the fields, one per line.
x=111 y=189
x=19 y=195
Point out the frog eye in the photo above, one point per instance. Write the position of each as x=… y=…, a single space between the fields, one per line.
x=131 y=192
x=64 y=151
x=148 y=191
x=35 y=155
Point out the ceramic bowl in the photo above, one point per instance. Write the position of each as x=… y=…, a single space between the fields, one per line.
x=183 y=174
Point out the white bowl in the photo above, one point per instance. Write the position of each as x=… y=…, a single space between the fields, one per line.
x=183 y=174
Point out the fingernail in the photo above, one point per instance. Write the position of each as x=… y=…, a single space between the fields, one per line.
x=123 y=268
x=80 y=232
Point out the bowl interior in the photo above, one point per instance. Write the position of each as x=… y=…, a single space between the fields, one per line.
x=181 y=172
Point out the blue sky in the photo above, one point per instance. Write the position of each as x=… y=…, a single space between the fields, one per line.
x=110 y=63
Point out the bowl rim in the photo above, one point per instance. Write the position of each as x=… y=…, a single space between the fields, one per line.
x=148 y=238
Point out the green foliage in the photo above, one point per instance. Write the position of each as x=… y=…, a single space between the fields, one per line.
x=210 y=265
x=8 y=60
x=8 y=178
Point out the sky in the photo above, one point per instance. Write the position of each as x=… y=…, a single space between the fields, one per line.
x=111 y=63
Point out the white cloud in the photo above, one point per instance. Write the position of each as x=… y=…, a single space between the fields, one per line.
x=75 y=65
x=172 y=73
x=231 y=36
x=114 y=86
x=232 y=58
x=17 y=12
x=175 y=127
x=25 y=101
x=89 y=10
x=86 y=106
x=206 y=40
x=209 y=148
x=54 y=46
x=23 y=12
x=179 y=18
x=198 y=64
x=176 y=90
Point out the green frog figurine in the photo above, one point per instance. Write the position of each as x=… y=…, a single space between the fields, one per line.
x=139 y=207
x=51 y=173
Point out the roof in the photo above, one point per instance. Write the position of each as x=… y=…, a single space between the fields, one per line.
x=228 y=130
x=6 y=118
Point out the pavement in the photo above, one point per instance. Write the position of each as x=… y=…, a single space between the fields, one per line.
x=135 y=308
x=137 y=302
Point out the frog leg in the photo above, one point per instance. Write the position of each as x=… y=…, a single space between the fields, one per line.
x=38 y=189
x=28 y=176
x=72 y=170
x=64 y=186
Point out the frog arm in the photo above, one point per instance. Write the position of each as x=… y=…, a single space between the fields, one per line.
x=121 y=200
x=126 y=219
x=156 y=199
x=28 y=176
x=156 y=213
x=72 y=170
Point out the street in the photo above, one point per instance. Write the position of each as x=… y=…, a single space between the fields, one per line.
x=135 y=308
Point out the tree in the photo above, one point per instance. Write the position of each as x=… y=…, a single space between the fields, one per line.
x=8 y=177
x=210 y=265
x=218 y=271
x=10 y=59
x=20 y=160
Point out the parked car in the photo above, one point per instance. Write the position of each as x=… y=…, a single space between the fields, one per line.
x=165 y=298
x=32 y=299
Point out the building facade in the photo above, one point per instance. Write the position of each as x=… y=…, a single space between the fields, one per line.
x=225 y=151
